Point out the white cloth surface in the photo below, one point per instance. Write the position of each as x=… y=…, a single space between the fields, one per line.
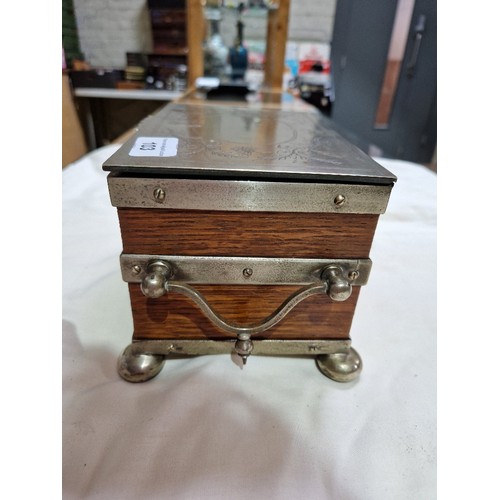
x=278 y=429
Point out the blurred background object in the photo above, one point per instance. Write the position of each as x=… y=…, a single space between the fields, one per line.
x=74 y=145
x=238 y=54
x=215 y=51
x=384 y=70
x=371 y=68
x=315 y=87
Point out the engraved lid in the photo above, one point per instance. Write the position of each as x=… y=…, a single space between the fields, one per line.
x=244 y=142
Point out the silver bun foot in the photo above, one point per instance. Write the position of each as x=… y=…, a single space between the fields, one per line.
x=341 y=366
x=139 y=367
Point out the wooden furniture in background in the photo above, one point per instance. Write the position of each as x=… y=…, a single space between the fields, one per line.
x=168 y=26
x=277 y=34
x=195 y=35
x=108 y=113
x=73 y=138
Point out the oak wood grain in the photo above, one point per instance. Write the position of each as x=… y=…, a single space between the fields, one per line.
x=246 y=234
x=174 y=316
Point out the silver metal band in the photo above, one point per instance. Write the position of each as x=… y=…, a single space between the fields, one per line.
x=142 y=360
x=247 y=196
x=271 y=347
x=243 y=270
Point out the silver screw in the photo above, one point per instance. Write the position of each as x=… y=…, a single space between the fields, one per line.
x=159 y=195
x=339 y=200
x=136 y=269
x=247 y=272
x=353 y=275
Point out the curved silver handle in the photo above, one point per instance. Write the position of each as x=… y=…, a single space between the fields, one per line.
x=156 y=283
x=253 y=328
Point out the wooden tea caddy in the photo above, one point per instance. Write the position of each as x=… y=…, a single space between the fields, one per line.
x=246 y=229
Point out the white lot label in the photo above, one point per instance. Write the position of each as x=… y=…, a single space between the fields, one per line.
x=155 y=146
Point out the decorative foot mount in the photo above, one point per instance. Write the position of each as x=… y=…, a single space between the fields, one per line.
x=136 y=366
x=143 y=360
x=340 y=366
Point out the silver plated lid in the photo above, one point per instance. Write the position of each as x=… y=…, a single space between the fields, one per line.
x=244 y=142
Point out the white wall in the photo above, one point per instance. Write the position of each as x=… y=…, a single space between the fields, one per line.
x=110 y=28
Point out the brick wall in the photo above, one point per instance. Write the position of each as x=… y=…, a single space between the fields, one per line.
x=110 y=28
x=311 y=21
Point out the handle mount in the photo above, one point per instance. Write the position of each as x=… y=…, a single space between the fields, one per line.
x=334 y=281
